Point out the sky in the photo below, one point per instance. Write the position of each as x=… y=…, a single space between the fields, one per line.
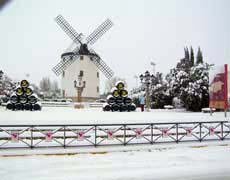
x=144 y=31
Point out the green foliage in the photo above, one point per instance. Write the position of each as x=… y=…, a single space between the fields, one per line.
x=196 y=95
x=136 y=101
x=192 y=57
x=189 y=82
x=186 y=53
x=159 y=94
x=199 y=57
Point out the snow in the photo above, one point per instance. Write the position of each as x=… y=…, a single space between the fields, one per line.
x=69 y=115
x=206 y=161
x=183 y=161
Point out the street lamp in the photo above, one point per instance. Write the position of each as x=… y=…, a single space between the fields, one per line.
x=146 y=80
x=153 y=64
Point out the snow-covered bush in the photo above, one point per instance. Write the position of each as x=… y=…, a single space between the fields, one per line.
x=196 y=95
x=189 y=82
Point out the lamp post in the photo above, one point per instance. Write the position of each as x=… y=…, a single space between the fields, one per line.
x=146 y=80
x=153 y=64
x=79 y=85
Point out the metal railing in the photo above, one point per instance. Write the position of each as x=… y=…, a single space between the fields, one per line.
x=77 y=135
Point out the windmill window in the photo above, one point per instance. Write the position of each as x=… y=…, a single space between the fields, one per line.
x=98 y=74
x=81 y=58
x=81 y=73
x=91 y=58
x=63 y=73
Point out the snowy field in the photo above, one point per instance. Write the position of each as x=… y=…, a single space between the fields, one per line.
x=183 y=161
x=69 y=115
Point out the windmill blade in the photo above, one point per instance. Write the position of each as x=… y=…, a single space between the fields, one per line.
x=68 y=29
x=102 y=66
x=71 y=47
x=64 y=64
x=96 y=34
x=67 y=60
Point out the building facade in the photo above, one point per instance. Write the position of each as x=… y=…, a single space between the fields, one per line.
x=90 y=75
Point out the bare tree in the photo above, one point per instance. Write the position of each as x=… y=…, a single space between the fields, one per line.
x=45 y=84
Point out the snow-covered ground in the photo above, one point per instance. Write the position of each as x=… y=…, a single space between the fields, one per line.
x=184 y=161
x=189 y=161
x=69 y=115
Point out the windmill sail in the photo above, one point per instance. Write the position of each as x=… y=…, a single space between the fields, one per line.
x=68 y=29
x=69 y=57
x=102 y=66
x=97 y=33
x=67 y=60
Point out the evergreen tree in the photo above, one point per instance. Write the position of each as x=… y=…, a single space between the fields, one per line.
x=177 y=81
x=186 y=53
x=191 y=56
x=199 y=57
x=196 y=94
x=190 y=83
x=159 y=92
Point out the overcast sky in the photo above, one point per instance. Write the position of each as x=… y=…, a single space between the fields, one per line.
x=144 y=31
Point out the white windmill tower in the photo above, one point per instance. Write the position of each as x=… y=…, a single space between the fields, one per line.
x=81 y=62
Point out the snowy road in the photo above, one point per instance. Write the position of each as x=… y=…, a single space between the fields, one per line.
x=197 y=161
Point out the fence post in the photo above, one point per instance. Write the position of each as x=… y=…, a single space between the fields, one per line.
x=124 y=135
x=31 y=137
x=177 y=133
x=64 y=137
x=95 y=134
x=200 y=131
x=151 y=133
x=222 y=131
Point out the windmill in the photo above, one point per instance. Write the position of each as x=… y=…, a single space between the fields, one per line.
x=82 y=61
